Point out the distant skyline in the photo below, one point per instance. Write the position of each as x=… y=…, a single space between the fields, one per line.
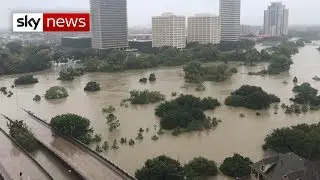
x=301 y=12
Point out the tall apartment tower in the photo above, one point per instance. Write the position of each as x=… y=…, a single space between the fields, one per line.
x=276 y=19
x=169 y=30
x=204 y=29
x=230 y=19
x=109 y=26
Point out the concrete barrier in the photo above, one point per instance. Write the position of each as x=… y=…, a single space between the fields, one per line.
x=64 y=161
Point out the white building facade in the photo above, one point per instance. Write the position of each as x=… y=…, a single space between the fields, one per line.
x=230 y=19
x=109 y=26
x=204 y=29
x=169 y=30
x=276 y=19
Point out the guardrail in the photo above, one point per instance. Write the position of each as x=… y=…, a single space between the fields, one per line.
x=29 y=155
x=74 y=141
x=64 y=161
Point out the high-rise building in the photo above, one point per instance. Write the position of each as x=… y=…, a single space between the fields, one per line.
x=169 y=30
x=204 y=28
x=276 y=19
x=230 y=19
x=109 y=27
x=248 y=29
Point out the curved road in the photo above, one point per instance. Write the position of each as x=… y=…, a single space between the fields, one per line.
x=78 y=157
x=14 y=161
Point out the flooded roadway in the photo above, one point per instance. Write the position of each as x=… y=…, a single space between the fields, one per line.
x=14 y=161
x=233 y=135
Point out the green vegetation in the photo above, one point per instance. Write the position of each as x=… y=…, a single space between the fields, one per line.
x=236 y=166
x=186 y=112
x=251 y=97
x=105 y=145
x=97 y=138
x=302 y=139
x=318 y=48
x=92 y=86
x=145 y=97
x=110 y=109
x=37 y=98
x=26 y=79
x=195 y=73
x=111 y=61
x=200 y=167
x=160 y=168
x=112 y=122
x=166 y=168
x=69 y=74
x=56 y=92
x=152 y=77
x=15 y=58
x=73 y=125
x=305 y=94
x=279 y=64
x=20 y=132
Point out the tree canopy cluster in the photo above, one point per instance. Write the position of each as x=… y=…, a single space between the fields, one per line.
x=26 y=79
x=195 y=73
x=145 y=97
x=69 y=74
x=166 y=168
x=236 y=166
x=15 y=58
x=20 y=132
x=73 y=125
x=187 y=112
x=92 y=86
x=110 y=61
x=56 y=92
x=305 y=94
x=302 y=139
x=251 y=97
x=281 y=56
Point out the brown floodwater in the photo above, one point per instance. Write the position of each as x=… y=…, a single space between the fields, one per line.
x=233 y=134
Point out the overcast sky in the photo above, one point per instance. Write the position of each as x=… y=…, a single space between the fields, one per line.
x=140 y=11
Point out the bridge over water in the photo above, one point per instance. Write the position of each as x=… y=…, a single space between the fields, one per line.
x=81 y=158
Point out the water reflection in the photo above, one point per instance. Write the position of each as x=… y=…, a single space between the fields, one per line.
x=234 y=134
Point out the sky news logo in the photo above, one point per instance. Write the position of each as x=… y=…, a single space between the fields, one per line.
x=51 y=22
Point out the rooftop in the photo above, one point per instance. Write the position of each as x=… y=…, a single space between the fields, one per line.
x=288 y=165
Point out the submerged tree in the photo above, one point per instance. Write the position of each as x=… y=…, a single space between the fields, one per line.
x=20 y=132
x=73 y=125
x=236 y=166
x=112 y=122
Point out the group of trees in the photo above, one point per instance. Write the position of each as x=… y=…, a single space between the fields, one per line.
x=70 y=73
x=166 y=168
x=111 y=61
x=186 y=112
x=20 y=132
x=26 y=79
x=163 y=167
x=56 y=92
x=251 y=97
x=92 y=86
x=73 y=125
x=302 y=139
x=145 y=97
x=195 y=73
x=306 y=94
x=15 y=58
